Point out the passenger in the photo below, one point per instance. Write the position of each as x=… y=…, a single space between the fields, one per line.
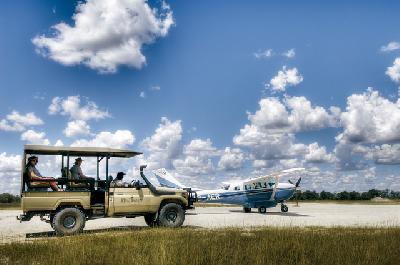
x=35 y=177
x=117 y=182
x=76 y=173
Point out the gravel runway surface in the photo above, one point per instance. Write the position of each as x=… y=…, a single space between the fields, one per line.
x=307 y=214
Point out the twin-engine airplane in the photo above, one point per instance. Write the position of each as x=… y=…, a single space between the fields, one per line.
x=261 y=192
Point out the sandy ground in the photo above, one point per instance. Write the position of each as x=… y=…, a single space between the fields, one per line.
x=307 y=214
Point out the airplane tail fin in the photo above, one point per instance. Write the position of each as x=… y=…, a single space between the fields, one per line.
x=167 y=180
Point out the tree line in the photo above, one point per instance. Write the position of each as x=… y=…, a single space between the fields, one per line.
x=9 y=198
x=346 y=195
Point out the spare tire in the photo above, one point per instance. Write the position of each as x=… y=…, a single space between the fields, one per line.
x=68 y=221
x=171 y=215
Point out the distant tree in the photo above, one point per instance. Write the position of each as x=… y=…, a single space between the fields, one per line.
x=9 y=198
x=326 y=195
x=344 y=195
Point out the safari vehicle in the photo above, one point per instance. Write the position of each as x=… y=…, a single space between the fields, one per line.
x=67 y=210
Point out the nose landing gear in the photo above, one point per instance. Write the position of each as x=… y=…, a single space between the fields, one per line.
x=284 y=208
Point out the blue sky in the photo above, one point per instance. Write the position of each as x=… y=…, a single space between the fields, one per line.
x=207 y=68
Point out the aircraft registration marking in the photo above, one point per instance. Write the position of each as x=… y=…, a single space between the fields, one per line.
x=213 y=196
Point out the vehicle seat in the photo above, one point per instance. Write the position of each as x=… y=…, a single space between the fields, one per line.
x=36 y=187
x=71 y=184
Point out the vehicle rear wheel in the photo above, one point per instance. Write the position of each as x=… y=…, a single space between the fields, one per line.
x=246 y=209
x=68 y=221
x=171 y=215
x=262 y=209
x=151 y=219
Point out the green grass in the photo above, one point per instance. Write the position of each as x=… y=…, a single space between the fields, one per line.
x=223 y=246
x=10 y=206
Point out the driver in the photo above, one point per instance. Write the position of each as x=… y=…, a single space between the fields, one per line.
x=117 y=182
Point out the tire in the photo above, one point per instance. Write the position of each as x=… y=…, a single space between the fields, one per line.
x=68 y=221
x=262 y=209
x=171 y=215
x=151 y=219
x=284 y=208
x=246 y=209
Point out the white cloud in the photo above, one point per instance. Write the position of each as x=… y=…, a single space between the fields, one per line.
x=305 y=117
x=164 y=145
x=196 y=158
x=231 y=159
x=119 y=139
x=71 y=106
x=388 y=154
x=263 y=54
x=294 y=114
x=76 y=128
x=33 y=137
x=285 y=78
x=106 y=34
x=142 y=94
x=17 y=122
x=289 y=53
x=10 y=177
x=391 y=46
x=155 y=88
x=370 y=118
x=317 y=154
x=394 y=71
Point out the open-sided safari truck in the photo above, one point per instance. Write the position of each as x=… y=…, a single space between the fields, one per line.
x=68 y=210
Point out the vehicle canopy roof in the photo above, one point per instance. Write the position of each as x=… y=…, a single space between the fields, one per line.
x=78 y=151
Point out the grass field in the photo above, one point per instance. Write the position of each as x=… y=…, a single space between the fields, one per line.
x=223 y=246
x=10 y=206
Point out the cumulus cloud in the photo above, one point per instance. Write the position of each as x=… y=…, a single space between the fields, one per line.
x=391 y=46
x=119 y=139
x=10 y=177
x=294 y=114
x=394 y=71
x=387 y=154
x=231 y=159
x=196 y=159
x=317 y=154
x=285 y=78
x=370 y=118
x=289 y=53
x=17 y=122
x=106 y=34
x=142 y=94
x=33 y=137
x=164 y=145
x=71 y=106
x=76 y=128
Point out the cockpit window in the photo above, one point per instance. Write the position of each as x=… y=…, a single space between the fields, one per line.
x=237 y=188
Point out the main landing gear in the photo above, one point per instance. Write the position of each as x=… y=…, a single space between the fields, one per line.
x=284 y=208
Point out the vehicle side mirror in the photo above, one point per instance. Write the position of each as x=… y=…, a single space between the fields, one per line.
x=137 y=185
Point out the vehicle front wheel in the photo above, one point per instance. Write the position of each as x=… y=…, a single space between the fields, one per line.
x=151 y=219
x=68 y=221
x=171 y=215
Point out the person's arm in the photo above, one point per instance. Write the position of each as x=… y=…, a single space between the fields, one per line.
x=81 y=175
x=33 y=176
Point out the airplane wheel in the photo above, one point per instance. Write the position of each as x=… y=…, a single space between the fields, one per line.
x=246 y=210
x=262 y=209
x=284 y=208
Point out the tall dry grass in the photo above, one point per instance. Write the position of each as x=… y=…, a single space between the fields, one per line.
x=223 y=246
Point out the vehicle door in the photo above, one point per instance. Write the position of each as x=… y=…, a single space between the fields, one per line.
x=130 y=199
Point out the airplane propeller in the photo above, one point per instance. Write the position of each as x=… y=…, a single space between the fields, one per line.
x=297 y=182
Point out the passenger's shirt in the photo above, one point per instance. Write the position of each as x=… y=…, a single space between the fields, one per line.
x=33 y=169
x=76 y=172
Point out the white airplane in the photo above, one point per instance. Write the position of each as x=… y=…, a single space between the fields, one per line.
x=260 y=192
